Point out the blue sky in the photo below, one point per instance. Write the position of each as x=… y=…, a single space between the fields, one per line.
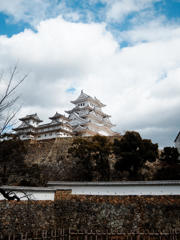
x=9 y=28
x=9 y=25
x=89 y=11
x=125 y=52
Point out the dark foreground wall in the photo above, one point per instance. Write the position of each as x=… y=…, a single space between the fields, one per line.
x=123 y=213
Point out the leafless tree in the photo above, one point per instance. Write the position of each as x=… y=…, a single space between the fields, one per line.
x=8 y=110
x=9 y=195
x=12 y=195
x=9 y=98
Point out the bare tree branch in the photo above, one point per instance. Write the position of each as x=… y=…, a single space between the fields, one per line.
x=10 y=89
x=9 y=196
x=8 y=120
x=26 y=195
x=8 y=99
x=8 y=111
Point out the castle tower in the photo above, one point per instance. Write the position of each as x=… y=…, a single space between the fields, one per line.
x=28 y=127
x=60 y=124
x=87 y=118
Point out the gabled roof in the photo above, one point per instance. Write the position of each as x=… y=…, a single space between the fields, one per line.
x=79 y=128
x=83 y=96
x=177 y=137
x=78 y=118
x=75 y=109
x=31 y=116
x=23 y=126
x=99 y=102
x=51 y=125
x=58 y=115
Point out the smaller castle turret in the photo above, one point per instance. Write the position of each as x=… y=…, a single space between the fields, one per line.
x=31 y=129
x=28 y=127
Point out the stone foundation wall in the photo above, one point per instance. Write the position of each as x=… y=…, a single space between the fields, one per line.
x=123 y=213
x=53 y=158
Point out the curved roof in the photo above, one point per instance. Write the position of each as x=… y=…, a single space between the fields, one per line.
x=79 y=128
x=58 y=115
x=31 y=116
x=83 y=96
x=23 y=126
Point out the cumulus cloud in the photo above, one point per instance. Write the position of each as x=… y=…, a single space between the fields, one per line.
x=29 y=11
x=57 y=57
x=158 y=29
x=117 y=10
x=34 y=11
x=140 y=83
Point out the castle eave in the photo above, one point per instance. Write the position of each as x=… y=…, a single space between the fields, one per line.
x=57 y=116
x=31 y=116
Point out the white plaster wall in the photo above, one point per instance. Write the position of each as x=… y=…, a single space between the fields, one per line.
x=33 y=195
x=54 y=135
x=26 y=137
x=121 y=190
x=43 y=137
x=124 y=190
x=32 y=122
x=47 y=136
x=63 y=136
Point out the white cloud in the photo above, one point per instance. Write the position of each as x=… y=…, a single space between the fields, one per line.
x=158 y=29
x=60 y=55
x=29 y=11
x=34 y=11
x=140 y=84
x=117 y=10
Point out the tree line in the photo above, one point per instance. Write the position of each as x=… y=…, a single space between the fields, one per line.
x=97 y=158
x=127 y=158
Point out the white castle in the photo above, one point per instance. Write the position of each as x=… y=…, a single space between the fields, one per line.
x=31 y=129
x=85 y=119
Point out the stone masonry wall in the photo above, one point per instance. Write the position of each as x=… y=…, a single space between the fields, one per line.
x=123 y=213
x=53 y=158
